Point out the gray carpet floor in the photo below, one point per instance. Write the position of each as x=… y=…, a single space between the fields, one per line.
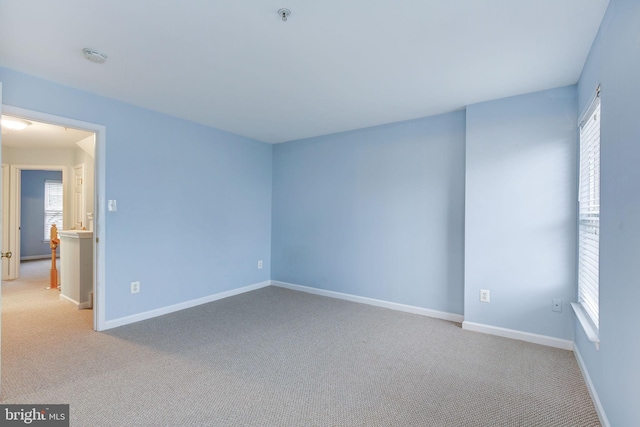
x=276 y=357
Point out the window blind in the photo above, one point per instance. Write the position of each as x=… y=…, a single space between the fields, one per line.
x=52 y=206
x=589 y=212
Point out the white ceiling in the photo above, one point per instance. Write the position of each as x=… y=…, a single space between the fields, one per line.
x=333 y=66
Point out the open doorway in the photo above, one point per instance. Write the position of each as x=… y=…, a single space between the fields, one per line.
x=35 y=200
x=41 y=207
x=48 y=146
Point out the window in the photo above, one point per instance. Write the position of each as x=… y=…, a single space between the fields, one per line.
x=589 y=213
x=52 y=206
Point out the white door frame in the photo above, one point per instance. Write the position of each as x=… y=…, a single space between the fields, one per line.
x=99 y=199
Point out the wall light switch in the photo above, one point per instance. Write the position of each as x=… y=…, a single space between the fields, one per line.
x=112 y=206
x=135 y=287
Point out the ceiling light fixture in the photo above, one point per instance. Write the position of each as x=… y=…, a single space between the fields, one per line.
x=94 y=56
x=284 y=14
x=13 y=123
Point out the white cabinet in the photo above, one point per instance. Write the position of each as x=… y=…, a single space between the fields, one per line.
x=76 y=267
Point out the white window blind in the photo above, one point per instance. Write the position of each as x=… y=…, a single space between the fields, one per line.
x=52 y=206
x=589 y=212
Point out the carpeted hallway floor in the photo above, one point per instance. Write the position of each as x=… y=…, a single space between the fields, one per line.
x=276 y=357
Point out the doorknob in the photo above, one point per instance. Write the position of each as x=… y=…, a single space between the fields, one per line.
x=6 y=254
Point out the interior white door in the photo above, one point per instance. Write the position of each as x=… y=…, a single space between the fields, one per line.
x=13 y=220
x=6 y=244
x=1 y=235
x=78 y=198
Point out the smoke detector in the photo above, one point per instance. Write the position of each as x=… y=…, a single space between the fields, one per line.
x=94 y=56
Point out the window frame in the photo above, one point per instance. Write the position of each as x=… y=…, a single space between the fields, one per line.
x=587 y=308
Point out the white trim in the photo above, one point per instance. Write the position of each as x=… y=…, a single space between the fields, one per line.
x=592 y=390
x=589 y=328
x=181 y=306
x=518 y=335
x=34 y=257
x=80 y=305
x=84 y=305
x=68 y=299
x=452 y=317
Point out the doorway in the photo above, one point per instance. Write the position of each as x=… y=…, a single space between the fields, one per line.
x=83 y=181
x=27 y=223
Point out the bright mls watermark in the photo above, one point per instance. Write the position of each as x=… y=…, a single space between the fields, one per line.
x=34 y=415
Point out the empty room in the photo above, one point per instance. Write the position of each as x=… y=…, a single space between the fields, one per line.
x=325 y=214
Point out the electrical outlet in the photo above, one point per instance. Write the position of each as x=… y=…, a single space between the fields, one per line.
x=556 y=305
x=485 y=295
x=135 y=287
x=260 y=264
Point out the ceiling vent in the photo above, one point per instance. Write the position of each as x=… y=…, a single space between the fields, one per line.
x=284 y=14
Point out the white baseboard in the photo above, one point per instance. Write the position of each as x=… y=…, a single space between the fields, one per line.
x=67 y=299
x=518 y=335
x=592 y=390
x=33 y=257
x=452 y=317
x=181 y=306
x=80 y=305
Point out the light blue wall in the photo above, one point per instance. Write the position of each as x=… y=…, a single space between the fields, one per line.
x=32 y=212
x=376 y=212
x=614 y=62
x=520 y=213
x=380 y=212
x=194 y=203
